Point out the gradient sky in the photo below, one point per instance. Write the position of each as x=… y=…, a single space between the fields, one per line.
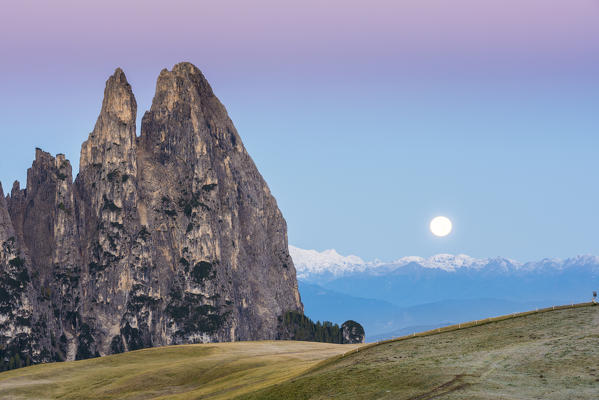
x=366 y=118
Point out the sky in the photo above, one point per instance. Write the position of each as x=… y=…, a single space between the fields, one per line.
x=366 y=118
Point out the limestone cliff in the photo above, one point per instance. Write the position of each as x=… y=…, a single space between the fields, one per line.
x=171 y=237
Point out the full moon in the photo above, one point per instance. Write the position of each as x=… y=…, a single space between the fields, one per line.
x=440 y=226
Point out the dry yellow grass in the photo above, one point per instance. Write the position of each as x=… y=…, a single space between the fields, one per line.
x=207 y=371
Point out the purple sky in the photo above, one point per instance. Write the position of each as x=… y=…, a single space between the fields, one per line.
x=439 y=37
x=484 y=110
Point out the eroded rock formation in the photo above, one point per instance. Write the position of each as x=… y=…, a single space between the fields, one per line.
x=171 y=237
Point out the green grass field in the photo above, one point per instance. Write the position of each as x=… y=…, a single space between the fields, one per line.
x=548 y=355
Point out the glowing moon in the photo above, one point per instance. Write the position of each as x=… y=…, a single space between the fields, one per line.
x=440 y=226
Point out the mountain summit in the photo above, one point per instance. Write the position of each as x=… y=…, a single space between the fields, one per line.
x=167 y=238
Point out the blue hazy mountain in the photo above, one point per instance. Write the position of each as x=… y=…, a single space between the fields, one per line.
x=414 y=284
x=382 y=319
x=413 y=292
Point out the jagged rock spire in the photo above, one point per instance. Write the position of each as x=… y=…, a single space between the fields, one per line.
x=118 y=98
x=113 y=136
x=184 y=113
x=6 y=228
x=176 y=239
x=108 y=157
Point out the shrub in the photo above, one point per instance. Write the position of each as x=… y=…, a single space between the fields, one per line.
x=109 y=205
x=112 y=175
x=17 y=262
x=201 y=271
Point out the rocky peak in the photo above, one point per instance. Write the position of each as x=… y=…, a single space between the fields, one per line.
x=6 y=229
x=113 y=137
x=184 y=84
x=186 y=116
x=16 y=189
x=108 y=157
x=36 y=211
x=167 y=239
x=45 y=170
x=42 y=167
x=119 y=101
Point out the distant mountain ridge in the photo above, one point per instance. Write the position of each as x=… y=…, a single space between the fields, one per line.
x=314 y=265
x=383 y=319
x=389 y=297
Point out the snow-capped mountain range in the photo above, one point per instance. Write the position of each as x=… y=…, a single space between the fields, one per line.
x=417 y=291
x=312 y=263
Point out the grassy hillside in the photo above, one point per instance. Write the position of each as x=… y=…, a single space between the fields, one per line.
x=546 y=355
x=210 y=371
x=549 y=355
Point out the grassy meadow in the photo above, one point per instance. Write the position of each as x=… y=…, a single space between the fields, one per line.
x=206 y=371
x=545 y=355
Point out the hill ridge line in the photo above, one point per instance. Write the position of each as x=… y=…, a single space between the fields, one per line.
x=449 y=328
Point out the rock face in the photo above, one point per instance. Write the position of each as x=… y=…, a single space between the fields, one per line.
x=167 y=238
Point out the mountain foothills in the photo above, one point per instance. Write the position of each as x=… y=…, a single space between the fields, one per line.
x=168 y=238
